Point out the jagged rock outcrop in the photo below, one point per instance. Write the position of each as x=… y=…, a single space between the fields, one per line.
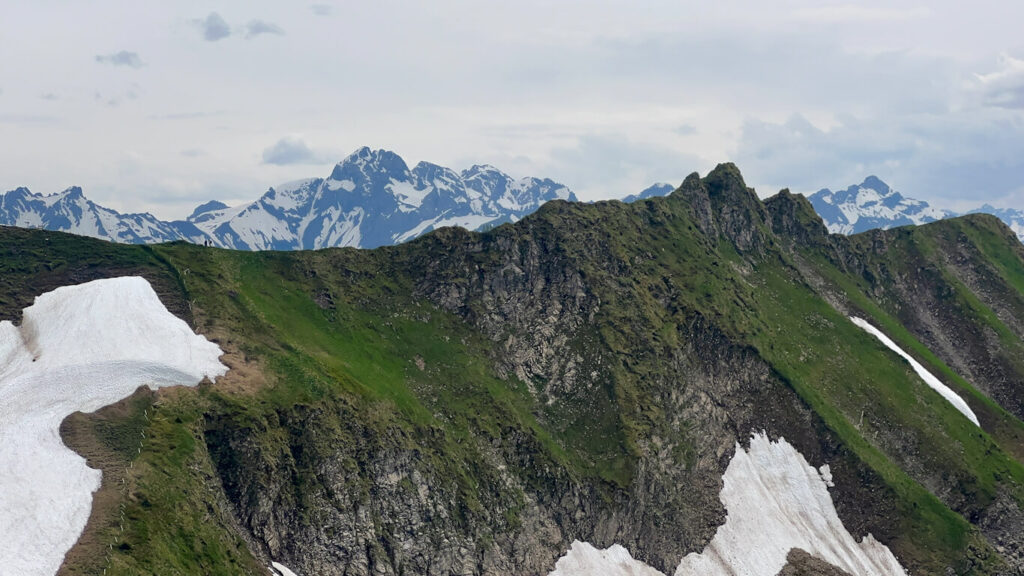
x=793 y=219
x=801 y=563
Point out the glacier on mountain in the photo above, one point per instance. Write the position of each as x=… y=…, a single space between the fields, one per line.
x=585 y=560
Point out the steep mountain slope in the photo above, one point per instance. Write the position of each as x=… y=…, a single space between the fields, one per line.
x=71 y=211
x=475 y=403
x=370 y=199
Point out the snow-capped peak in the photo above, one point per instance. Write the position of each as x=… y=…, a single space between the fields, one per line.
x=875 y=183
x=871 y=204
x=207 y=207
x=875 y=204
x=371 y=198
x=366 y=161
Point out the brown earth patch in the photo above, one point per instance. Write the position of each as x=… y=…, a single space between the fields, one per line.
x=108 y=440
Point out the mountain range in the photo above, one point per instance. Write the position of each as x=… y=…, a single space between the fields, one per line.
x=874 y=204
x=371 y=198
x=702 y=383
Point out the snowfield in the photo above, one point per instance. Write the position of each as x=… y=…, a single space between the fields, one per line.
x=278 y=569
x=79 y=348
x=775 y=501
x=929 y=378
x=585 y=560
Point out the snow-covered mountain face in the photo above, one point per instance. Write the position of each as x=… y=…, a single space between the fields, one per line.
x=370 y=199
x=373 y=199
x=871 y=204
x=874 y=204
x=659 y=189
x=71 y=211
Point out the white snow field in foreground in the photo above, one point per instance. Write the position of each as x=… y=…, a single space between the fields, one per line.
x=775 y=501
x=79 y=348
x=929 y=378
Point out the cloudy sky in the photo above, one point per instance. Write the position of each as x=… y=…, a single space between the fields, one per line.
x=160 y=106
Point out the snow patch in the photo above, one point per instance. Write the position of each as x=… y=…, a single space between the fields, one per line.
x=281 y=570
x=585 y=560
x=775 y=501
x=929 y=378
x=826 y=475
x=470 y=222
x=79 y=348
x=408 y=194
x=259 y=229
x=209 y=221
x=294 y=185
x=346 y=185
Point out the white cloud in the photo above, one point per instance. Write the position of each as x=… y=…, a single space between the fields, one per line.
x=122 y=58
x=611 y=165
x=292 y=150
x=1005 y=86
x=257 y=27
x=213 y=27
x=859 y=13
x=951 y=160
x=322 y=9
